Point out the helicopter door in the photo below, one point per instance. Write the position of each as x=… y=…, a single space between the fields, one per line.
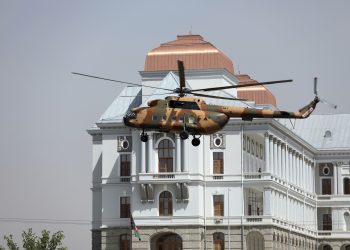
x=190 y=123
x=192 y=119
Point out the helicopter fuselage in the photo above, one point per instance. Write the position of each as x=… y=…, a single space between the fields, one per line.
x=176 y=114
x=193 y=115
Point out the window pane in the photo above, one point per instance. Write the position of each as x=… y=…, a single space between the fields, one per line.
x=218 y=163
x=165 y=204
x=218 y=205
x=326 y=186
x=346 y=186
x=165 y=156
x=124 y=207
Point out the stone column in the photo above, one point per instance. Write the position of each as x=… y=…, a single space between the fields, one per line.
x=275 y=164
x=177 y=153
x=184 y=147
x=150 y=166
x=303 y=172
x=283 y=158
x=267 y=202
x=279 y=167
x=294 y=170
x=143 y=157
x=267 y=153
x=301 y=177
x=310 y=176
x=271 y=153
x=136 y=152
x=289 y=164
x=335 y=178
x=340 y=180
x=313 y=175
x=307 y=179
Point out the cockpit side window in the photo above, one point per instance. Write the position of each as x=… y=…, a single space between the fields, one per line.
x=183 y=105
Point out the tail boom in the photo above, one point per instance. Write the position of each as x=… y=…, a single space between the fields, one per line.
x=250 y=113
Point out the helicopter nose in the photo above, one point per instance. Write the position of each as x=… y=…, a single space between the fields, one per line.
x=129 y=116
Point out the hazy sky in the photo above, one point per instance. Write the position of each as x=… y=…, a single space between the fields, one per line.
x=45 y=154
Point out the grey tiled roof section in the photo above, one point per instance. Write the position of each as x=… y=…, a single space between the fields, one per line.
x=331 y=131
x=130 y=97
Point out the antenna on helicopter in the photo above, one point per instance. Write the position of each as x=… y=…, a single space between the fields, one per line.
x=334 y=106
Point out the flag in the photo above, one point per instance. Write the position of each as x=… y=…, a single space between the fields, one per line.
x=134 y=227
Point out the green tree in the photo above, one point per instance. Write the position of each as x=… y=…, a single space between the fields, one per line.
x=33 y=242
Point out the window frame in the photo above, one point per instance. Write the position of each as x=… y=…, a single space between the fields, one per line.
x=218 y=241
x=122 y=242
x=321 y=186
x=125 y=164
x=165 y=206
x=165 y=155
x=218 y=164
x=219 y=205
x=124 y=206
x=346 y=188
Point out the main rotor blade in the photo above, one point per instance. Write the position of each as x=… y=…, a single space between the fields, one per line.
x=241 y=85
x=111 y=80
x=219 y=97
x=170 y=93
x=180 y=65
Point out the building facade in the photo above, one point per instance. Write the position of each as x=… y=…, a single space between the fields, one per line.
x=260 y=184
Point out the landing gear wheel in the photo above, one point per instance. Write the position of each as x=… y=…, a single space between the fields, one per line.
x=184 y=135
x=196 y=141
x=144 y=137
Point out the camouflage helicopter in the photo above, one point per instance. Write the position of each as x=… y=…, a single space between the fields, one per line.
x=189 y=115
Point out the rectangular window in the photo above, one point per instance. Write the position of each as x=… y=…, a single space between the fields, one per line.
x=183 y=105
x=327 y=221
x=125 y=207
x=218 y=163
x=218 y=205
x=125 y=167
x=326 y=186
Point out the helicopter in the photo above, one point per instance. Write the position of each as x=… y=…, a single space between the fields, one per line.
x=190 y=115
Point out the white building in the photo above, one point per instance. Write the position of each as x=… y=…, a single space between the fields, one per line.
x=257 y=184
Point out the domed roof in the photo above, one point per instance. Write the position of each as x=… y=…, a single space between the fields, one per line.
x=258 y=94
x=192 y=50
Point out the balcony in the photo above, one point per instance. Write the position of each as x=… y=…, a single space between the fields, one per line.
x=168 y=177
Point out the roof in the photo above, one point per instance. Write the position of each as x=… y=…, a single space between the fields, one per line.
x=258 y=94
x=192 y=50
x=130 y=97
x=328 y=131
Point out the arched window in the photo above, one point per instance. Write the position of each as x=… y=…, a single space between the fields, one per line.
x=327 y=247
x=218 y=241
x=124 y=243
x=255 y=241
x=169 y=241
x=346 y=186
x=165 y=204
x=165 y=156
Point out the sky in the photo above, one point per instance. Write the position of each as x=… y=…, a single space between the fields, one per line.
x=45 y=151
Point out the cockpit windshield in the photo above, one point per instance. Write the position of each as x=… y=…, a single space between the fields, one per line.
x=183 y=105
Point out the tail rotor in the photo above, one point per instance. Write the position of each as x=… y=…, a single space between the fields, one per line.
x=333 y=106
